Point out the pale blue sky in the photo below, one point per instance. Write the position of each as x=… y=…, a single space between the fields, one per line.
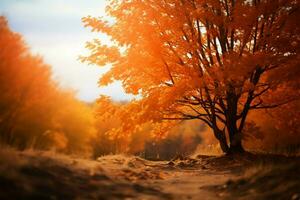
x=53 y=29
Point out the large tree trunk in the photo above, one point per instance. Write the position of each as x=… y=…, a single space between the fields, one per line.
x=235 y=137
x=220 y=135
x=235 y=143
x=224 y=145
x=236 y=148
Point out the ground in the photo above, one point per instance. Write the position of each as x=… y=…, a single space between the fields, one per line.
x=47 y=175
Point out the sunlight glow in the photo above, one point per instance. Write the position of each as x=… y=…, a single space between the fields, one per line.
x=53 y=29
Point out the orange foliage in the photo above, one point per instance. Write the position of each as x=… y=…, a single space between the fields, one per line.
x=210 y=60
x=34 y=111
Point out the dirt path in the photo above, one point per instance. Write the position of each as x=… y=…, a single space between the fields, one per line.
x=191 y=184
x=180 y=179
x=48 y=176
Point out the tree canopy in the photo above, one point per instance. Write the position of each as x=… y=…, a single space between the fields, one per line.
x=211 y=60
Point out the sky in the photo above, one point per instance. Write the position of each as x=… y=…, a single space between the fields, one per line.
x=53 y=30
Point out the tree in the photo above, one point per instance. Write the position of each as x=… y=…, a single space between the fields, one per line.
x=211 y=60
x=34 y=111
x=25 y=83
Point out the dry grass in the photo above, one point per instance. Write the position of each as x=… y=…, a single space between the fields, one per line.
x=47 y=175
x=266 y=180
